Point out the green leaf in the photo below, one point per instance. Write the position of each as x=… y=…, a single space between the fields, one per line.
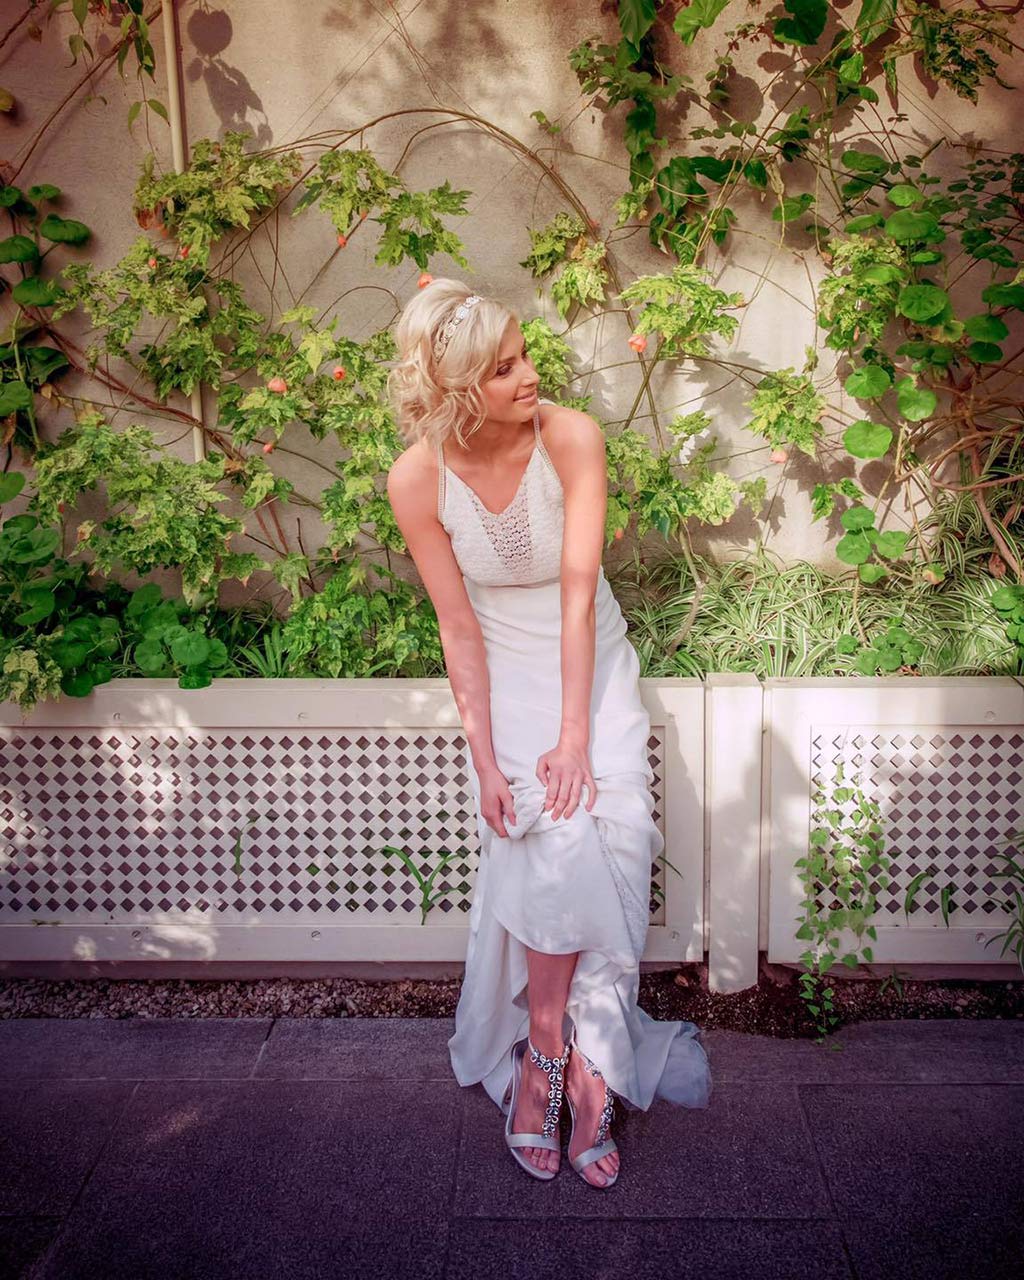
x=892 y=543
x=863 y=223
x=868 y=383
x=636 y=17
x=986 y=328
x=869 y=574
x=36 y=292
x=11 y=484
x=792 y=207
x=64 y=230
x=14 y=395
x=857 y=518
x=1004 y=295
x=875 y=19
x=855 y=548
x=985 y=353
x=881 y=273
x=18 y=249
x=44 y=191
x=190 y=649
x=158 y=108
x=921 y=301
x=133 y=113
x=916 y=403
x=851 y=69
x=699 y=14
x=864 y=439
x=925 y=257
x=907 y=225
x=903 y=195
x=806 y=24
x=865 y=162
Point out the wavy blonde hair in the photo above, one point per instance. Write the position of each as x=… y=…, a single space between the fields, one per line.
x=435 y=400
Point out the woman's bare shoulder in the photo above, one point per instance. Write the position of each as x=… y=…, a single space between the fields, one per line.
x=568 y=433
x=412 y=470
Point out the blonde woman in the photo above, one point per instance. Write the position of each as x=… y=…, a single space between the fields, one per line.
x=501 y=499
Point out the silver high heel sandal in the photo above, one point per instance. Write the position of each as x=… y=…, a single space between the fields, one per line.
x=555 y=1068
x=603 y=1145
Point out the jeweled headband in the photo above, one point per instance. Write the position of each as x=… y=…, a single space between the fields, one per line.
x=452 y=323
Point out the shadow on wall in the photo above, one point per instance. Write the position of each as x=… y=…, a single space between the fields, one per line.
x=232 y=97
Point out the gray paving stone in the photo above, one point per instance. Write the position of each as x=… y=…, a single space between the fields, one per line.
x=748 y=1155
x=611 y=1249
x=920 y=1152
x=947 y=1247
x=23 y=1241
x=263 y=1178
x=50 y=1136
x=943 y=1050
x=358 y=1049
x=129 y=1048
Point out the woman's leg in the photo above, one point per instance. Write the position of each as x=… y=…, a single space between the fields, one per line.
x=549 y=979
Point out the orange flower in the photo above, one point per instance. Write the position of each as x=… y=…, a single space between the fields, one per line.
x=337 y=373
x=425 y=279
x=638 y=342
x=277 y=385
x=778 y=455
x=342 y=241
x=268 y=447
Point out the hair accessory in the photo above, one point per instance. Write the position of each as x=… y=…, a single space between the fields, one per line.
x=453 y=322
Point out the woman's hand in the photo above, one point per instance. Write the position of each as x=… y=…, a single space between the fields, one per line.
x=496 y=800
x=564 y=770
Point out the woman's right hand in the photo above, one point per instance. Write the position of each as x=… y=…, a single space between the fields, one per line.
x=496 y=800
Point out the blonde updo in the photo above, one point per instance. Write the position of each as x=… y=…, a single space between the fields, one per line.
x=435 y=400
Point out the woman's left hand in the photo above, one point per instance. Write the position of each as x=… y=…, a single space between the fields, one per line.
x=565 y=770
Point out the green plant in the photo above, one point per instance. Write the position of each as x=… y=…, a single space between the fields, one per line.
x=844 y=857
x=1013 y=934
x=425 y=882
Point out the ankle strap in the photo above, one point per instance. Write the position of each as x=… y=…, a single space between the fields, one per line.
x=547 y=1064
x=555 y=1068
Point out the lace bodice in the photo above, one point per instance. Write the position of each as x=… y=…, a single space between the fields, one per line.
x=519 y=546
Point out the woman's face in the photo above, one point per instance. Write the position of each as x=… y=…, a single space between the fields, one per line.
x=510 y=393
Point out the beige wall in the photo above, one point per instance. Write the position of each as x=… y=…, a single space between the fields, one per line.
x=295 y=68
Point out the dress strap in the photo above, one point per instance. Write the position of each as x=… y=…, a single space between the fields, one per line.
x=441 y=476
x=539 y=443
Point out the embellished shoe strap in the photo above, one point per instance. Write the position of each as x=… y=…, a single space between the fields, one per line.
x=555 y=1070
x=609 y=1101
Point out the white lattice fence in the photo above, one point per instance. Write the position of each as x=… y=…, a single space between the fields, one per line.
x=253 y=821
x=942 y=759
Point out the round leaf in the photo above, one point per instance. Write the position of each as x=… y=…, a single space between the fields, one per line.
x=903 y=195
x=869 y=574
x=18 y=249
x=13 y=396
x=44 y=191
x=868 y=383
x=864 y=162
x=881 y=273
x=857 y=518
x=863 y=223
x=925 y=257
x=11 y=484
x=916 y=403
x=1004 y=295
x=908 y=225
x=866 y=439
x=64 y=230
x=922 y=301
x=986 y=328
x=39 y=603
x=892 y=543
x=78 y=685
x=985 y=353
x=190 y=649
x=36 y=292
x=855 y=548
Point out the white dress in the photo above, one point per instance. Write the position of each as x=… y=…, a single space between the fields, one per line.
x=558 y=886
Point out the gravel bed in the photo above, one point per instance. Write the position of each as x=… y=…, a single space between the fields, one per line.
x=772 y=1007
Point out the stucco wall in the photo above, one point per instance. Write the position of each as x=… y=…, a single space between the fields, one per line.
x=296 y=68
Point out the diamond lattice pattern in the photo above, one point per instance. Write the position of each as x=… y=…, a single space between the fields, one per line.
x=242 y=824
x=949 y=799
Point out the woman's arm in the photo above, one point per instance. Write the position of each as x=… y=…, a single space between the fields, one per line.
x=575 y=444
x=413 y=501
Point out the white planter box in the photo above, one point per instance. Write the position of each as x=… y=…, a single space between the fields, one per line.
x=120 y=814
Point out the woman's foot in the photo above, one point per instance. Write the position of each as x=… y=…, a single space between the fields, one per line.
x=531 y=1108
x=588 y=1095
